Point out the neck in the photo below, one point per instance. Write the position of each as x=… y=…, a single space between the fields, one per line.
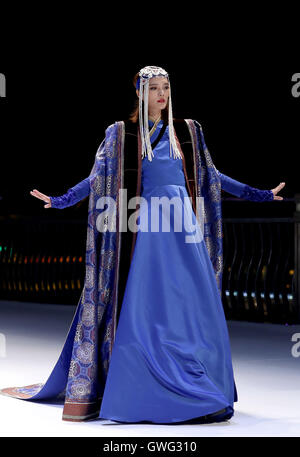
x=154 y=116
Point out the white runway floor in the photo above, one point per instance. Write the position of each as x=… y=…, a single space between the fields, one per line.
x=267 y=377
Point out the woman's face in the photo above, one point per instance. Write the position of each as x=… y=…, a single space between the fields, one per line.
x=159 y=90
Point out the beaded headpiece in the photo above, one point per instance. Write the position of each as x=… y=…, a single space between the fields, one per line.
x=145 y=74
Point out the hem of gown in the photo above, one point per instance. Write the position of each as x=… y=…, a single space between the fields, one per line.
x=221 y=415
x=16 y=392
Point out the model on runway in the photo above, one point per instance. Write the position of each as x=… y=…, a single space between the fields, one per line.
x=149 y=340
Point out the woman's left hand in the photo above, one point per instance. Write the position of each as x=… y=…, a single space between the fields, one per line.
x=278 y=189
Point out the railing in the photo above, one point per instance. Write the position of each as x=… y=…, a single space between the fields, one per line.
x=44 y=261
x=261 y=275
x=259 y=270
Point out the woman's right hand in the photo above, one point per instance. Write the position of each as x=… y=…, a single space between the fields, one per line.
x=45 y=198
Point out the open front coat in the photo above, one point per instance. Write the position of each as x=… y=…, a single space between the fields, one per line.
x=118 y=165
x=79 y=375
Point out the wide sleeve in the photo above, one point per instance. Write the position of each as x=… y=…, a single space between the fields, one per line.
x=72 y=196
x=244 y=191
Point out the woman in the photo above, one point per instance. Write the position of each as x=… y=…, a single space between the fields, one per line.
x=149 y=340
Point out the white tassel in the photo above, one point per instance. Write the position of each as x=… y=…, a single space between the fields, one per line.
x=141 y=119
x=146 y=121
x=176 y=152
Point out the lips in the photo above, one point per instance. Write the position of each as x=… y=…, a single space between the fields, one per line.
x=162 y=100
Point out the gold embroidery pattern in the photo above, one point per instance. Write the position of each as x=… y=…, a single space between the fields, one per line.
x=85 y=352
x=74 y=369
x=81 y=387
x=108 y=259
x=106 y=295
x=108 y=332
x=79 y=333
x=89 y=276
x=90 y=241
x=88 y=314
x=99 y=185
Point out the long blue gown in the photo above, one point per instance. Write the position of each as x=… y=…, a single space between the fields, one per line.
x=171 y=359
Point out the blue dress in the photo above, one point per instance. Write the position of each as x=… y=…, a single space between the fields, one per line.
x=171 y=358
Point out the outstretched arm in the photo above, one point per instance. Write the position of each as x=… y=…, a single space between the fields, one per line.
x=247 y=192
x=70 y=198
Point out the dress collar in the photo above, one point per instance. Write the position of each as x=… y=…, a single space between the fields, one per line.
x=154 y=125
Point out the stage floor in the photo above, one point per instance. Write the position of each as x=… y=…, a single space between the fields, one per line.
x=267 y=377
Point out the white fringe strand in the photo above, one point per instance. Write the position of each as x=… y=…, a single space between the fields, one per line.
x=173 y=144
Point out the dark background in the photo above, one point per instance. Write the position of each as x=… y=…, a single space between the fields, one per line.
x=61 y=98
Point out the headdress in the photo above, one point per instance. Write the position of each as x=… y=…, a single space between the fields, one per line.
x=145 y=74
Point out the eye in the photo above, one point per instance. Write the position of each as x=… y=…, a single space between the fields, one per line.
x=152 y=88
